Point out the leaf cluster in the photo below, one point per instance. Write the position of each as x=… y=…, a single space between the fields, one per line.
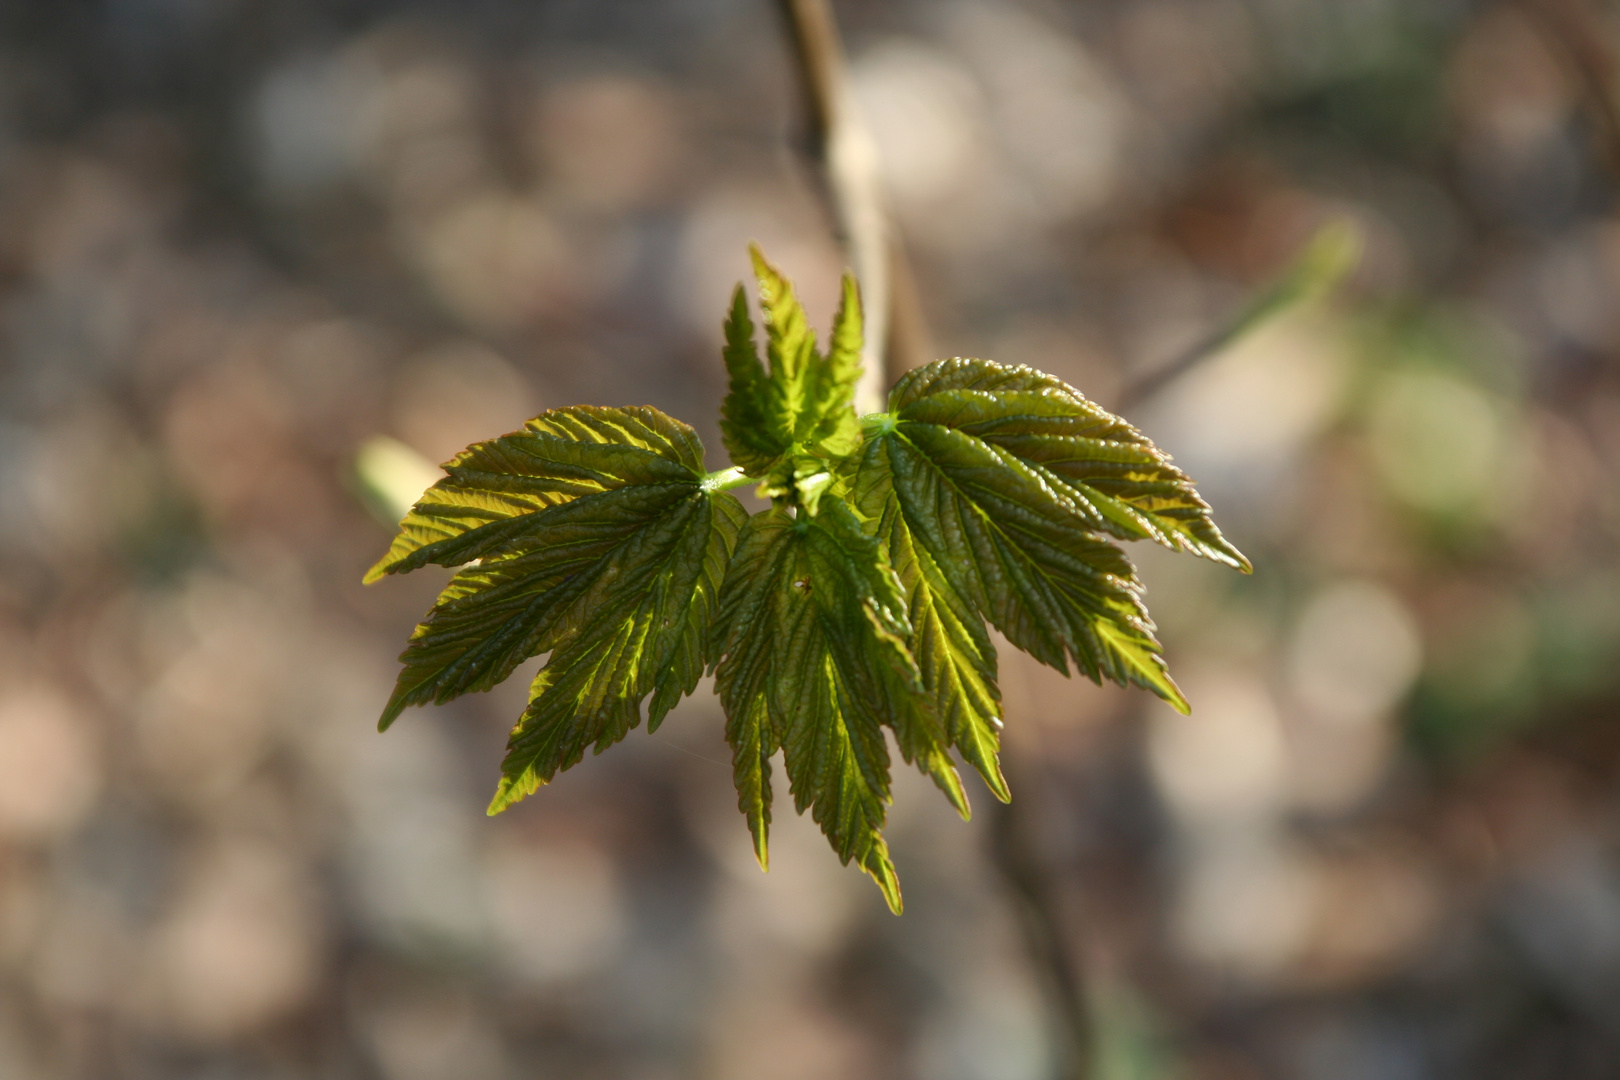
x=861 y=600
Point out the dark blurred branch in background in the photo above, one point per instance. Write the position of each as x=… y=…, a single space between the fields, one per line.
x=848 y=158
x=1046 y=937
x=895 y=337
x=1581 y=38
x=1332 y=253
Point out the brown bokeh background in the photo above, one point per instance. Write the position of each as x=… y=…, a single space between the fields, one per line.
x=240 y=238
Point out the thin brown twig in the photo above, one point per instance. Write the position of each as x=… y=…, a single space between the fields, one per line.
x=849 y=165
x=1046 y=937
x=1320 y=265
x=897 y=337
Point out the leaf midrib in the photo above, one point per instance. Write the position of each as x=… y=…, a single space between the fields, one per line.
x=1005 y=538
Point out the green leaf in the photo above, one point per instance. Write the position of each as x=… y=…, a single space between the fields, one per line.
x=747 y=607
x=644 y=629
x=785 y=425
x=814 y=659
x=1112 y=474
x=1015 y=547
x=954 y=653
x=857 y=603
x=591 y=535
x=751 y=439
x=836 y=430
x=812 y=398
x=494 y=488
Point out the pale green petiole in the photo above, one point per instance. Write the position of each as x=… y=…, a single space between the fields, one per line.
x=726 y=479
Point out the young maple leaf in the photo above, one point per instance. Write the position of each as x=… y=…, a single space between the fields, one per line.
x=860 y=601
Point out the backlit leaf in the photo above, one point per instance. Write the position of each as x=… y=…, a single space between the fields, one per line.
x=954 y=654
x=857 y=603
x=814 y=660
x=644 y=630
x=751 y=438
x=1014 y=545
x=597 y=540
x=782 y=425
x=493 y=488
x=1111 y=473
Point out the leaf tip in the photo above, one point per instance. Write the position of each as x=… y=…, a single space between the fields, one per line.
x=763 y=270
x=890 y=885
x=849 y=309
x=881 y=870
x=773 y=285
x=951 y=784
x=389 y=714
x=512 y=790
x=1224 y=551
x=996 y=782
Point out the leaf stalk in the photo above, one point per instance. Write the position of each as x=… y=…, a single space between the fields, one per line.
x=726 y=479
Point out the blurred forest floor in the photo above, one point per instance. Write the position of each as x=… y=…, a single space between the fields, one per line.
x=240 y=238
